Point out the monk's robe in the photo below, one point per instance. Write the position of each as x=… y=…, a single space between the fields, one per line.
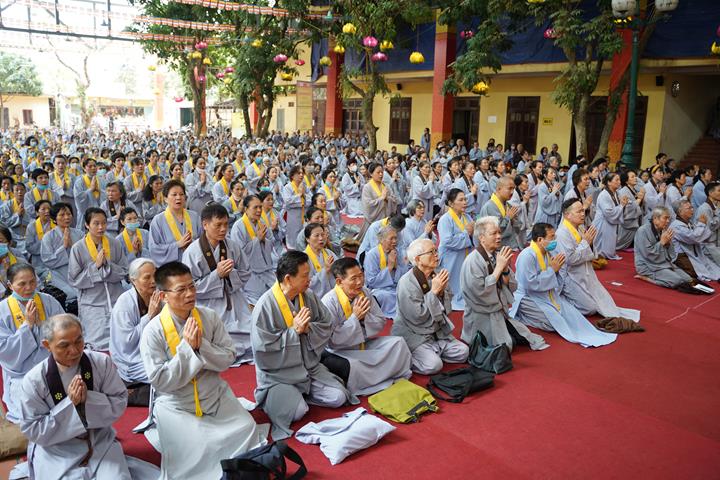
x=287 y=364
x=487 y=303
x=538 y=303
x=192 y=401
x=376 y=362
x=225 y=296
x=20 y=346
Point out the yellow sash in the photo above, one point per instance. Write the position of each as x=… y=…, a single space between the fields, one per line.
x=15 y=205
x=65 y=182
x=238 y=168
x=543 y=267
x=460 y=224
x=266 y=219
x=170 y=218
x=151 y=169
x=234 y=204
x=383 y=258
x=257 y=169
x=12 y=258
x=226 y=187
x=302 y=198
x=128 y=243
x=329 y=192
x=86 y=179
x=346 y=306
x=18 y=316
x=38 y=196
x=93 y=249
x=378 y=189
x=314 y=259
x=136 y=182
x=159 y=199
x=308 y=180
x=173 y=340
x=283 y=304
x=5 y=196
x=498 y=204
x=572 y=230
x=39 y=230
x=248 y=226
x=119 y=174
x=384 y=222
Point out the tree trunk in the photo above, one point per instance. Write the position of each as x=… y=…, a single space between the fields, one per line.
x=2 y=112
x=246 y=116
x=263 y=132
x=198 y=92
x=610 y=117
x=367 y=114
x=580 y=124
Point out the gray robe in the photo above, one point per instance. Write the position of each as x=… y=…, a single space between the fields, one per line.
x=211 y=292
x=522 y=225
x=374 y=208
x=609 y=215
x=375 y=361
x=259 y=254
x=198 y=194
x=56 y=258
x=322 y=281
x=288 y=361
x=84 y=199
x=632 y=218
x=690 y=238
x=126 y=327
x=507 y=225
x=487 y=306
x=32 y=247
x=225 y=430
x=655 y=260
x=162 y=245
x=293 y=205
x=98 y=289
x=712 y=245
x=18 y=224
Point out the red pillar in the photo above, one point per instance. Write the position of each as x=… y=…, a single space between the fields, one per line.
x=620 y=63
x=333 y=102
x=442 y=105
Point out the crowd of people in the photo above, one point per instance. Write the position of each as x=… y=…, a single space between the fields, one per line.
x=182 y=257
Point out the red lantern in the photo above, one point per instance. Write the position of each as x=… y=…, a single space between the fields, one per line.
x=370 y=42
x=201 y=45
x=379 y=57
x=467 y=34
x=550 y=33
x=229 y=69
x=220 y=75
x=178 y=99
x=280 y=58
x=300 y=62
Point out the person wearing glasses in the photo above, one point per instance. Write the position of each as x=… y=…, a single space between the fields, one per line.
x=184 y=350
x=423 y=305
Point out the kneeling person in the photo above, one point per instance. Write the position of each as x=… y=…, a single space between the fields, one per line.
x=290 y=330
x=369 y=363
x=198 y=418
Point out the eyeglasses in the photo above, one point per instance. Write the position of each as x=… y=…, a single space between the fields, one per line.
x=182 y=290
x=432 y=252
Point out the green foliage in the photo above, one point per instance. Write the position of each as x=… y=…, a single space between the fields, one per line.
x=18 y=76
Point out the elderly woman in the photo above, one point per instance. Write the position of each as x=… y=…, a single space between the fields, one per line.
x=21 y=315
x=690 y=237
x=415 y=225
x=377 y=199
x=422 y=312
x=384 y=265
x=96 y=268
x=455 y=229
x=488 y=283
x=132 y=311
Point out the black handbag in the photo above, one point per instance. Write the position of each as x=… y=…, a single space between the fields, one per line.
x=491 y=358
x=457 y=384
x=263 y=463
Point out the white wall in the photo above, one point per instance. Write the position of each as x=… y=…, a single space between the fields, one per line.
x=39 y=106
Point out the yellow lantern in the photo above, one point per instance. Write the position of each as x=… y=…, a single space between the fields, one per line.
x=196 y=55
x=349 y=28
x=227 y=81
x=715 y=49
x=286 y=76
x=257 y=43
x=152 y=68
x=339 y=49
x=481 y=88
x=325 y=61
x=207 y=61
x=386 y=45
x=417 y=57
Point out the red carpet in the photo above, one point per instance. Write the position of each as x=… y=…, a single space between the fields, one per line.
x=643 y=407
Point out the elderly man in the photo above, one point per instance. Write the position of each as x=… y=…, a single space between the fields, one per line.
x=710 y=209
x=69 y=403
x=422 y=318
x=655 y=254
x=290 y=329
x=579 y=283
x=538 y=302
x=185 y=349
x=369 y=362
x=690 y=239
x=499 y=207
x=221 y=271
x=487 y=283
x=131 y=313
x=384 y=265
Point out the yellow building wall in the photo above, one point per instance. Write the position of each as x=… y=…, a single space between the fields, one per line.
x=420 y=115
x=39 y=106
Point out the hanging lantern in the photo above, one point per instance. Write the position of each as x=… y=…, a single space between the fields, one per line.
x=481 y=88
x=227 y=81
x=386 y=45
x=339 y=49
x=220 y=75
x=257 y=43
x=666 y=5
x=370 y=42
x=286 y=76
x=325 y=61
x=201 y=79
x=196 y=55
x=280 y=58
x=152 y=68
x=299 y=62
x=715 y=49
x=201 y=45
x=467 y=34
x=229 y=69
x=550 y=33
x=379 y=57
x=349 y=28
x=417 y=57
x=178 y=99
x=207 y=61
x=623 y=8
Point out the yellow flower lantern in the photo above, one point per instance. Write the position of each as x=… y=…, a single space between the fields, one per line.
x=257 y=43
x=349 y=28
x=196 y=55
x=227 y=81
x=386 y=45
x=481 y=88
x=207 y=61
x=325 y=61
x=286 y=76
x=417 y=57
x=715 y=49
x=339 y=49
x=152 y=68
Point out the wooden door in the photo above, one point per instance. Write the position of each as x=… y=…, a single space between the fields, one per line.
x=522 y=122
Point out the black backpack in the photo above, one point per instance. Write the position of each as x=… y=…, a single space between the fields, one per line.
x=456 y=384
x=263 y=463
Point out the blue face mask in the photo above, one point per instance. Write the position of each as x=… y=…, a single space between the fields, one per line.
x=17 y=296
x=42 y=188
x=258 y=160
x=551 y=246
x=3 y=249
x=132 y=226
x=264 y=189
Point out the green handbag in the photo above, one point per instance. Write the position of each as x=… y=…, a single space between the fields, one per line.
x=403 y=402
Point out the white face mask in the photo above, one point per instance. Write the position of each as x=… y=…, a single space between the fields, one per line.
x=353 y=168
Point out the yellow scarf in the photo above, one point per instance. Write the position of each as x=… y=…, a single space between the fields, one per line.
x=38 y=195
x=383 y=258
x=18 y=316
x=572 y=230
x=86 y=179
x=248 y=226
x=128 y=243
x=329 y=191
x=65 y=181
x=225 y=186
x=314 y=259
x=234 y=204
x=346 y=306
x=40 y=231
x=173 y=340
x=5 y=196
x=151 y=169
x=378 y=189
x=15 y=205
x=384 y=222
x=498 y=204
x=302 y=198
x=258 y=170
x=159 y=199
x=266 y=219
x=308 y=180
x=238 y=168
x=93 y=249
x=170 y=218
x=283 y=304
x=136 y=181
x=543 y=266
x=119 y=174
x=460 y=224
